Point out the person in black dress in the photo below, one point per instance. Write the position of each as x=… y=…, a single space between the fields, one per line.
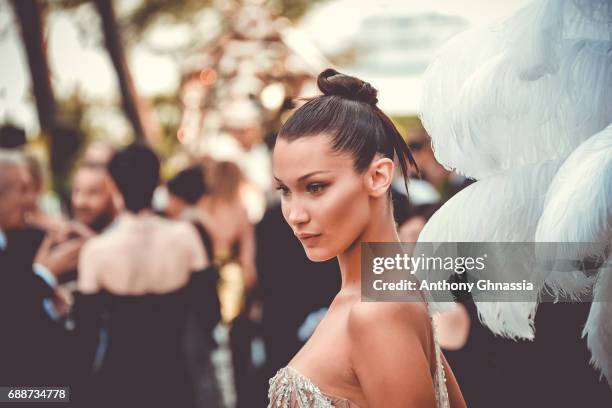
x=185 y=190
x=135 y=295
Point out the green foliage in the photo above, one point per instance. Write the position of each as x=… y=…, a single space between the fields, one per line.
x=138 y=20
x=409 y=126
x=292 y=9
x=167 y=109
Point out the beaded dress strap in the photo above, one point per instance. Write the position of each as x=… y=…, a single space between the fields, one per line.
x=440 y=376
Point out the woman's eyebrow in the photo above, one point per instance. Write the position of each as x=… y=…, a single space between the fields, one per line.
x=305 y=176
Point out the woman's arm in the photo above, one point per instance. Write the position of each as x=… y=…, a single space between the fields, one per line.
x=391 y=354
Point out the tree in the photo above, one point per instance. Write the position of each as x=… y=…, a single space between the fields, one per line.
x=29 y=14
x=63 y=141
x=112 y=40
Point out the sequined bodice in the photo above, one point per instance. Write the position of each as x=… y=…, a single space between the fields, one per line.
x=290 y=389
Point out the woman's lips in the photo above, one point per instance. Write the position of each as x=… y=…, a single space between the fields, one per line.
x=308 y=238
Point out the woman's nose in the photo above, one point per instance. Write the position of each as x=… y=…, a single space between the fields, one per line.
x=297 y=214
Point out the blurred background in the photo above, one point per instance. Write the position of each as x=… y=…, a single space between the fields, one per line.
x=166 y=71
x=208 y=84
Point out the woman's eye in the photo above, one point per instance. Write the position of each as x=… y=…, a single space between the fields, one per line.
x=284 y=190
x=315 y=188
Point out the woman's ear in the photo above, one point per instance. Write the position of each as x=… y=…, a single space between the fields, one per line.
x=379 y=176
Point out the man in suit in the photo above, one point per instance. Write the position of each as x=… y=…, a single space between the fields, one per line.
x=32 y=344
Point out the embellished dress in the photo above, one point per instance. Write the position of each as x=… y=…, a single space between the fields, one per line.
x=290 y=389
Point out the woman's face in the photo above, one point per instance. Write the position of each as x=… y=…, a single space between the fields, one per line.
x=324 y=199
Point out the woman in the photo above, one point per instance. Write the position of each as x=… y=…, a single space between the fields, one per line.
x=333 y=162
x=135 y=287
x=185 y=190
x=224 y=215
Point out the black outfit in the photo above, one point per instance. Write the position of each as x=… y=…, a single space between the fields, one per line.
x=138 y=357
x=551 y=371
x=563 y=376
x=401 y=206
x=33 y=347
x=203 y=290
x=292 y=286
x=138 y=360
x=204 y=315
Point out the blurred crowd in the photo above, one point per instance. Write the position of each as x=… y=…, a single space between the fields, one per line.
x=192 y=274
x=186 y=284
x=168 y=278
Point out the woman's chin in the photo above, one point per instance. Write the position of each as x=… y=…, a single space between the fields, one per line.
x=318 y=254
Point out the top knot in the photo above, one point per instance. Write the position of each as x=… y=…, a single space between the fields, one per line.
x=332 y=82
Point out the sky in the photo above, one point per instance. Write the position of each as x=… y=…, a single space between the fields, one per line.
x=323 y=26
x=397 y=94
x=78 y=64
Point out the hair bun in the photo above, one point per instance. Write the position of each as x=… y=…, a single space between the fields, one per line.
x=332 y=82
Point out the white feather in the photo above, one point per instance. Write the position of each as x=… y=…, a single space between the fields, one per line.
x=529 y=90
x=501 y=208
x=578 y=208
x=507 y=104
x=598 y=328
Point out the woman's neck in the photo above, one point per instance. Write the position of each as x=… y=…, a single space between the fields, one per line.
x=211 y=203
x=144 y=213
x=380 y=229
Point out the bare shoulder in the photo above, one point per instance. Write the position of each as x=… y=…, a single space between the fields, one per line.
x=370 y=312
x=94 y=254
x=389 y=317
x=182 y=229
x=97 y=244
x=184 y=233
x=391 y=353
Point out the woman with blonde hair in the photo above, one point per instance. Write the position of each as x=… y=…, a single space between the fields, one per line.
x=225 y=217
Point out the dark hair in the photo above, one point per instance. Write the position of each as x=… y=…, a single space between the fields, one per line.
x=12 y=137
x=135 y=171
x=425 y=211
x=188 y=184
x=347 y=112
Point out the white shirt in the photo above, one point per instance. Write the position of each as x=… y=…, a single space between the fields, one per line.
x=2 y=241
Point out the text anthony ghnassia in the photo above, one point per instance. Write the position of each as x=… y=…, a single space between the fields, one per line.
x=482 y=284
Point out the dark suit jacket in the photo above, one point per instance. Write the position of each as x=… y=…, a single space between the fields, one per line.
x=31 y=343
